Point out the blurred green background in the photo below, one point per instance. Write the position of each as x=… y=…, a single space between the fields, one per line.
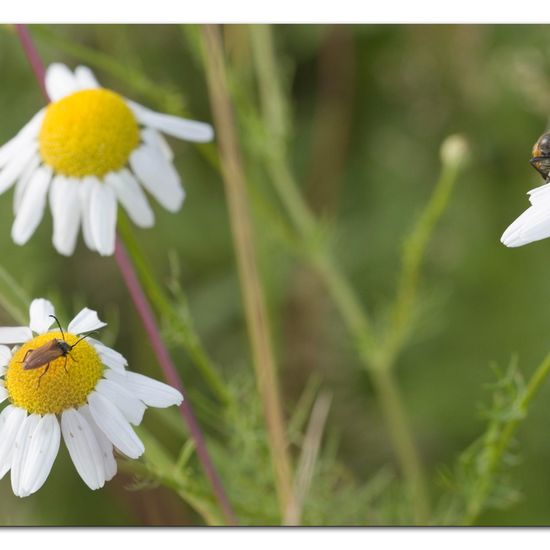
x=371 y=105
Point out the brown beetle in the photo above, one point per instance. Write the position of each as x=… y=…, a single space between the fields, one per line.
x=50 y=351
x=541 y=156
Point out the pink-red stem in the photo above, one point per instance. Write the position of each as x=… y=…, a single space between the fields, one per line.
x=147 y=317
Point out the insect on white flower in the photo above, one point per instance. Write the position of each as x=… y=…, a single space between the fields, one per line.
x=89 y=150
x=534 y=223
x=85 y=395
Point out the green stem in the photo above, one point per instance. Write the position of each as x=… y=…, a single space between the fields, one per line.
x=165 y=308
x=242 y=231
x=503 y=439
x=345 y=298
x=391 y=403
x=413 y=254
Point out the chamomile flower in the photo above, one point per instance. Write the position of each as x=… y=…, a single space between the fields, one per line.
x=85 y=395
x=87 y=151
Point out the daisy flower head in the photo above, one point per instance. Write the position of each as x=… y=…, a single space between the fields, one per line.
x=62 y=383
x=87 y=151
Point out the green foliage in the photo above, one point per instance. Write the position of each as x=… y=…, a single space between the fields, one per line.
x=390 y=228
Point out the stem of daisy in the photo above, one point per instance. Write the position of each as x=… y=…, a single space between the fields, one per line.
x=144 y=309
x=171 y=374
x=241 y=228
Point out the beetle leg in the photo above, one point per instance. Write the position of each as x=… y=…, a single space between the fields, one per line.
x=45 y=371
x=65 y=363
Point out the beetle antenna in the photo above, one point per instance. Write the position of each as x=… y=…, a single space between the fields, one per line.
x=59 y=325
x=82 y=337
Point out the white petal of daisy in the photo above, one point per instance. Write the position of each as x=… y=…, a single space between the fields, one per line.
x=16 y=165
x=103 y=210
x=109 y=462
x=85 y=78
x=15 y=335
x=158 y=176
x=32 y=206
x=155 y=139
x=539 y=194
x=113 y=424
x=23 y=182
x=85 y=321
x=11 y=419
x=129 y=405
x=83 y=447
x=86 y=186
x=109 y=357
x=65 y=207
x=131 y=197
x=21 y=452
x=60 y=81
x=5 y=355
x=3 y=393
x=532 y=225
x=41 y=454
x=152 y=392
x=182 y=128
x=26 y=135
x=41 y=312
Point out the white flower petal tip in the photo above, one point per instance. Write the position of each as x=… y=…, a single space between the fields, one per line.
x=15 y=335
x=182 y=128
x=152 y=392
x=41 y=314
x=86 y=321
x=60 y=81
x=533 y=225
x=84 y=448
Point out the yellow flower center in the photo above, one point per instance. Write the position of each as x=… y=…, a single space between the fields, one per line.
x=66 y=383
x=88 y=133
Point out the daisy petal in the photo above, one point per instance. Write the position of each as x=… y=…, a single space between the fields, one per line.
x=85 y=321
x=64 y=204
x=32 y=206
x=43 y=449
x=17 y=165
x=86 y=186
x=5 y=356
x=113 y=424
x=152 y=392
x=83 y=448
x=27 y=134
x=532 y=225
x=539 y=194
x=41 y=312
x=155 y=139
x=182 y=128
x=23 y=181
x=85 y=78
x=21 y=452
x=110 y=357
x=3 y=393
x=109 y=462
x=11 y=419
x=103 y=210
x=129 y=405
x=60 y=81
x=158 y=176
x=15 y=335
x=131 y=197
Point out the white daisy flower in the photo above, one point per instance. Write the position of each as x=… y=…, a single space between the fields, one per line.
x=87 y=151
x=63 y=383
x=534 y=223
